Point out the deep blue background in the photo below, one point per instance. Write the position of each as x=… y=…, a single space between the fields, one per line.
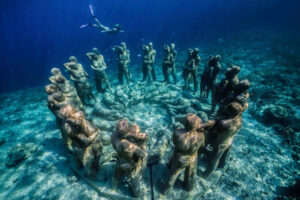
x=36 y=35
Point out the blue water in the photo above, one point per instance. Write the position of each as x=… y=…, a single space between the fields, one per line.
x=36 y=35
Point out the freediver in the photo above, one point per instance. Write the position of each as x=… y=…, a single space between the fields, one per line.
x=104 y=29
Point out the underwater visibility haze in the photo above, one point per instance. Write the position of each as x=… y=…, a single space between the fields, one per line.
x=149 y=99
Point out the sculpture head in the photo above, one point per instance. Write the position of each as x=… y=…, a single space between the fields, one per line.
x=192 y=121
x=172 y=46
x=150 y=45
x=73 y=59
x=95 y=50
x=55 y=71
x=123 y=45
x=190 y=52
x=122 y=127
x=232 y=110
x=242 y=87
x=60 y=79
x=167 y=48
x=58 y=96
x=50 y=89
x=218 y=58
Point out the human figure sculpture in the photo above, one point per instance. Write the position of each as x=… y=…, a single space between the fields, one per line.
x=123 y=60
x=168 y=66
x=226 y=86
x=80 y=78
x=187 y=141
x=190 y=69
x=99 y=66
x=147 y=67
x=209 y=76
x=64 y=86
x=148 y=62
x=174 y=53
x=85 y=139
x=132 y=156
x=57 y=101
x=221 y=135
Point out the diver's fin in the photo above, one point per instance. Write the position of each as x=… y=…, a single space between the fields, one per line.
x=92 y=10
x=84 y=25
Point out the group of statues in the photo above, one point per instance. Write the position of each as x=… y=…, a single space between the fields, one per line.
x=212 y=138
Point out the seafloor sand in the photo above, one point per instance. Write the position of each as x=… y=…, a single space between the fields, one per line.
x=264 y=155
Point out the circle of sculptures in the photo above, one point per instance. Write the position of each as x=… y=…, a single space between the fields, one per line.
x=118 y=144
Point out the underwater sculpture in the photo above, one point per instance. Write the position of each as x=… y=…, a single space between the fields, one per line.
x=225 y=87
x=190 y=69
x=64 y=86
x=209 y=76
x=168 y=66
x=220 y=136
x=130 y=145
x=123 y=60
x=99 y=66
x=187 y=141
x=85 y=139
x=80 y=78
x=148 y=62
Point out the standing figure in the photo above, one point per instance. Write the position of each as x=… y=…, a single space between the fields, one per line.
x=225 y=87
x=123 y=60
x=209 y=76
x=99 y=66
x=152 y=53
x=168 y=65
x=130 y=145
x=80 y=78
x=174 y=52
x=221 y=135
x=190 y=70
x=147 y=67
x=86 y=142
x=64 y=86
x=187 y=141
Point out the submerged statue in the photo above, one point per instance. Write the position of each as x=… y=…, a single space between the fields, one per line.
x=64 y=86
x=168 y=66
x=130 y=145
x=187 y=141
x=226 y=86
x=123 y=60
x=80 y=78
x=85 y=139
x=148 y=62
x=99 y=66
x=209 y=76
x=190 y=69
x=221 y=135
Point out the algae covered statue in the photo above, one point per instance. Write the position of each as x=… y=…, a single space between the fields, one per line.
x=148 y=62
x=99 y=66
x=190 y=69
x=220 y=136
x=209 y=76
x=187 y=141
x=226 y=86
x=64 y=86
x=169 y=64
x=130 y=145
x=80 y=78
x=86 y=142
x=123 y=60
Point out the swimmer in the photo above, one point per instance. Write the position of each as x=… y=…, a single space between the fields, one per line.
x=104 y=29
